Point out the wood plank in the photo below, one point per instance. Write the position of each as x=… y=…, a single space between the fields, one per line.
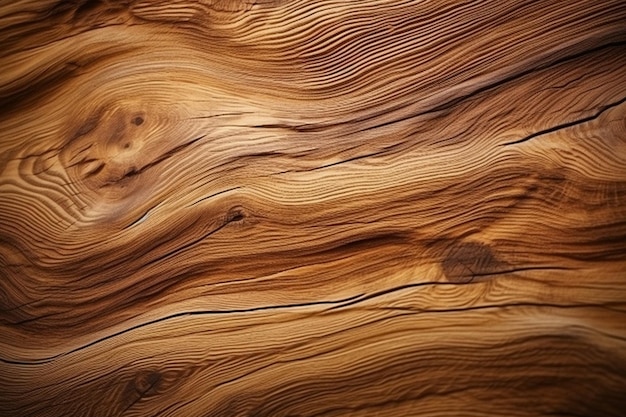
x=312 y=208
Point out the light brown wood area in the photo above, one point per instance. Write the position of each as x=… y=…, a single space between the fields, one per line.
x=312 y=208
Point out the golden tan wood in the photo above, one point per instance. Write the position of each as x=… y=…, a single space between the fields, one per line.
x=312 y=208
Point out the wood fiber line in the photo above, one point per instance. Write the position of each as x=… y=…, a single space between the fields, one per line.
x=312 y=208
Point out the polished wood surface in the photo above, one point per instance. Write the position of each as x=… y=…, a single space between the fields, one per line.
x=312 y=208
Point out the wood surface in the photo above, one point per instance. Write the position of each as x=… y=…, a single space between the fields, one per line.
x=312 y=208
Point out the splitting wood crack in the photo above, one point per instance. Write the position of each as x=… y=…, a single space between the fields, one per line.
x=566 y=125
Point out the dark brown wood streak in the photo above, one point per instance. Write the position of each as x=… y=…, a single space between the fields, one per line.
x=312 y=208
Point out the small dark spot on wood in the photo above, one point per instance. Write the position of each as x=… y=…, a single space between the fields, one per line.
x=138 y=120
x=235 y=214
x=143 y=384
x=146 y=381
x=468 y=261
x=126 y=145
x=237 y=217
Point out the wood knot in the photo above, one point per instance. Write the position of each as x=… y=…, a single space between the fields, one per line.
x=110 y=151
x=143 y=383
x=469 y=261
x=105 y=148
x=137 y=121
x=236 y=215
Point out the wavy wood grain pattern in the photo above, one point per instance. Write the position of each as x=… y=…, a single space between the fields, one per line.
x=312 y=208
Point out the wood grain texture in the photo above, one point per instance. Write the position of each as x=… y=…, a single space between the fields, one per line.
x=312 y=208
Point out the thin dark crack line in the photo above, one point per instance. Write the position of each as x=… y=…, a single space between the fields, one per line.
x=213 y=195
x=568 y=124
x=177 y=315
